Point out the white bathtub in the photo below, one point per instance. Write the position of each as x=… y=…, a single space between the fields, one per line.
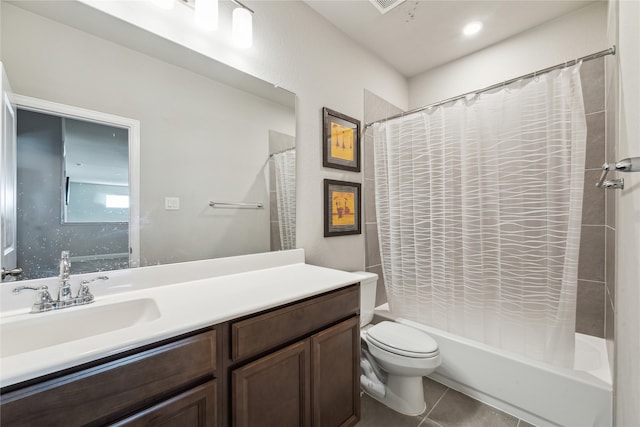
x=536 y=392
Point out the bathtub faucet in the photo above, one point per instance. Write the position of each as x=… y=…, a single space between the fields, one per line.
x=631 y=164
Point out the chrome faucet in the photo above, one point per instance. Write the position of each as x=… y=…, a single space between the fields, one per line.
x=44 y=301
x=64 y=290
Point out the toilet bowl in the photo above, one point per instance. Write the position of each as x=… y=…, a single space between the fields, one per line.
x=394 y=357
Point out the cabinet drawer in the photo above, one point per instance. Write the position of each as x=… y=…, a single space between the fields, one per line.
x=262 y=332
x=96 y=395
x=193 y=408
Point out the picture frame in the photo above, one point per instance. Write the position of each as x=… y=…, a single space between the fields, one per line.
x=342 y=208
x=340 y=141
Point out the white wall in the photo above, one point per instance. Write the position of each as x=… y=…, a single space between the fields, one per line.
x=627 y=315
x=188 y=124
x=571 y=36
x=298 y=50
x=324 y=68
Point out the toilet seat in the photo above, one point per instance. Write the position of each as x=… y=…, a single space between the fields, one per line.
x=402 y=340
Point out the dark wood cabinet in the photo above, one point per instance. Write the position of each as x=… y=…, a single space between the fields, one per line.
x=274 y=390
x=312 y=381
x=335 y=379
x=296 y=365
x=106 y=392
x=193 y=408
x=267 y=330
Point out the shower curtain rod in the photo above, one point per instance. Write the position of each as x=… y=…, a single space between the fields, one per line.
x=610 y=51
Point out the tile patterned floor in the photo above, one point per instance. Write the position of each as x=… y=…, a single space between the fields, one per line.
x=445 y=408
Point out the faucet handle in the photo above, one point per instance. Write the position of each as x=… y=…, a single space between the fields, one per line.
x=84 y=292
x=43 y=297
x=86 y=282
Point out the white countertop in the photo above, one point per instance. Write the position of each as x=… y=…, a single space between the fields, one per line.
x=183 y=307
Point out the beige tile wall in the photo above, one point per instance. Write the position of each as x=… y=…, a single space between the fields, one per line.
x=591 y=304
x=375 y=108
x=611 y=101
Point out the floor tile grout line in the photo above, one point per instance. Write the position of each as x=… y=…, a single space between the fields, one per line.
x=424 y=420
x=436 y=404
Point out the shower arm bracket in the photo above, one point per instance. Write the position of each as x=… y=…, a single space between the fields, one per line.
x=631 y=164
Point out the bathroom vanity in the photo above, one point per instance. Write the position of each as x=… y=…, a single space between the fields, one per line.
x=277 y=345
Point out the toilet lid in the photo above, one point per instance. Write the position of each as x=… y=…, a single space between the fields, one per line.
x=402 y=339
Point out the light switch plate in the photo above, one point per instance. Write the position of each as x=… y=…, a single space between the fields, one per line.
x=172 y=203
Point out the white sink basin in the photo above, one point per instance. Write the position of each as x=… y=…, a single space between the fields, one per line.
x=35 y=331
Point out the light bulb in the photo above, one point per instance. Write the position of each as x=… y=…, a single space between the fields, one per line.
x=206 y=14
x=472 y=28
x=242 y=30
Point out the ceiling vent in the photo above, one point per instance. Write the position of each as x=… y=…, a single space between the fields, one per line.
x=385 y=6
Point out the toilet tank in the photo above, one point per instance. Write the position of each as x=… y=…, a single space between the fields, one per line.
x=368 y=283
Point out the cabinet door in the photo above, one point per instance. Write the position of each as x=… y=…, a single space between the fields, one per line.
x=193 y=408
x=335 y=382
x=273 y=390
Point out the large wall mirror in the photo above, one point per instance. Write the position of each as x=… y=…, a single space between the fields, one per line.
x=228 y=140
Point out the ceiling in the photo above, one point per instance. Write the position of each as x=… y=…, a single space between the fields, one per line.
x=419 y=35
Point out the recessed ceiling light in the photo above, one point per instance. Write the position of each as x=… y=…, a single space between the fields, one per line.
x=472 y=28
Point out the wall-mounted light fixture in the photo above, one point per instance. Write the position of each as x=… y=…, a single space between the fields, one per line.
x=242 y=26
x=206 y=17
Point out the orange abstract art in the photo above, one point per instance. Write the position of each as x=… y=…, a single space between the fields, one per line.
x=341 y=142
x=343 y=210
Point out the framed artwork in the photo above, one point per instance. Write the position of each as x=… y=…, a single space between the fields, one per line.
x=340 y=141
x=342 y=212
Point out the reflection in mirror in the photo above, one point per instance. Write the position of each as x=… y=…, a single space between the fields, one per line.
x=59 y=204
x=201 y=139
x=96 y=172
x=283 y=193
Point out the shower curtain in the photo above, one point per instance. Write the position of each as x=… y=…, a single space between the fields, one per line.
x=285 y=171
x=479 y=211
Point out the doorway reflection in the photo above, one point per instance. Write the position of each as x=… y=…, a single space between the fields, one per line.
x=68 y=172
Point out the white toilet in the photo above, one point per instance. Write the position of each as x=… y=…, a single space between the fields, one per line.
x=394 y=357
